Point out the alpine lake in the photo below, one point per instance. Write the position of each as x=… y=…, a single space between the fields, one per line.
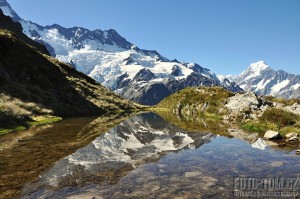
x=141 y=156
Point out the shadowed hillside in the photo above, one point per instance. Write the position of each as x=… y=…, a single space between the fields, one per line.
x=33 y=84
x=8 y=24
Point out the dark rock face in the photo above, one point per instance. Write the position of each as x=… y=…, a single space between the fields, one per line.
x=144 y=88
x=79 y=34
x=144 y=75
x=141 y=90
x=4 y=4
x=176 y=71
x=153 y=93
x=15 y=27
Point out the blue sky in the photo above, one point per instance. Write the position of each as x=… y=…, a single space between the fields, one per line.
x=222 y=35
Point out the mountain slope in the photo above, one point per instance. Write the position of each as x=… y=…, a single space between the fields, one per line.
x=34 y=84
x=263 y=80
x=116 y=63
x=6 y=23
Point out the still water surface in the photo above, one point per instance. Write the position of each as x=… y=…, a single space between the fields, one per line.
x=141 y=157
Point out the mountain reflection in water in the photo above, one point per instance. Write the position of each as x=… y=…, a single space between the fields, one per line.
x=147 y=157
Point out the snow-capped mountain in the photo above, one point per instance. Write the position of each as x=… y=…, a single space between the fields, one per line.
x=263 y=80
x=140 y=75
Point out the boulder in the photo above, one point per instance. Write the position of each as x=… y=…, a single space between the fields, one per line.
x=298 y=152
x=241 y=101
x=272 y=135
x=289 y=135
x=293 y=139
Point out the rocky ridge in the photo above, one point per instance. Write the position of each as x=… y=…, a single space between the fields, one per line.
x=116 y=63
x=245 y=115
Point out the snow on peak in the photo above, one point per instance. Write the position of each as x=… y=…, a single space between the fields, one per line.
x=8 y=11
x=255 y=70
x=221 y=77
x=258 y=66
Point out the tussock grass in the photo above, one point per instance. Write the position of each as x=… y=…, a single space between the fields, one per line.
x=197 y=97
x=274 y=119
x=280 y=117
x=286 y=102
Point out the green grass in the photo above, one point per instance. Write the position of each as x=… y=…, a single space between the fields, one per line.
x=289 y=129
x=258 y=127
x=210 y=123
x=193 y=99
x=44 y=120
x=5 y=131
x=41 y=120
x=274 y=119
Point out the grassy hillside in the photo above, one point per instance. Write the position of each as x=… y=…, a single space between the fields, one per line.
x=197 y=101
x=196 y=108
x=204 y=108
x=34 y=87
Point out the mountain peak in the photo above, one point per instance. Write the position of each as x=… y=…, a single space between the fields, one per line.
x=258 y=66
x=8 y=11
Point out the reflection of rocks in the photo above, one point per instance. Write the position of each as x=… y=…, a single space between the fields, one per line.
x=276 y=164
x=259 y=144
x=142 y=139
x=240 y=134
x=270 y=143
x=293 y=139
x=262 y=144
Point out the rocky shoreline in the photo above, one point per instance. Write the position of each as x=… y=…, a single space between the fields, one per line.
x=247 y=116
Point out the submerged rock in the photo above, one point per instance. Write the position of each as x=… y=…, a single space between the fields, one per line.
x=192 y=174
x=271 y=135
